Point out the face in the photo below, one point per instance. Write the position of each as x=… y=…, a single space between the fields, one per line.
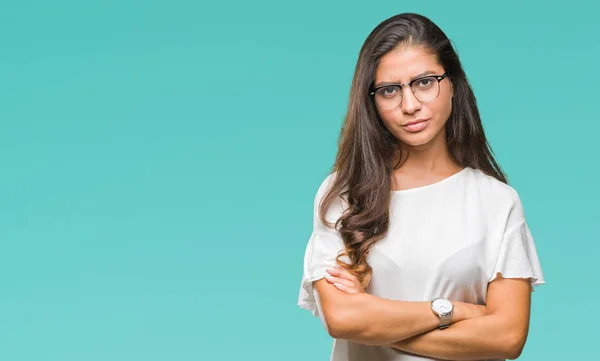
x=442 y=305
x=402 y=66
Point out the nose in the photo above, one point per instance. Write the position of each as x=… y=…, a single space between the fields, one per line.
x=409 y=104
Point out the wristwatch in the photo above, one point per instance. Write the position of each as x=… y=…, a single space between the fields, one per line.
x=443 y=308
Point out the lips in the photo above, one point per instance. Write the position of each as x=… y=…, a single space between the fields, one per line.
x=416 y=125
x=415 y=122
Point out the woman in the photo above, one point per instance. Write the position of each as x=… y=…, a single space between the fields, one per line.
x=420 y=249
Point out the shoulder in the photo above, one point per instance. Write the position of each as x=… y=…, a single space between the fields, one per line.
x=336 y=206
x=324 y=185
x=327 y=182
x=497 y=195
x=492 y=185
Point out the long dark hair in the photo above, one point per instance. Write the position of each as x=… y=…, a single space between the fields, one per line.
x=366 y=149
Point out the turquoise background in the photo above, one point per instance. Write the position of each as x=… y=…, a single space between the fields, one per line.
x=159 y=162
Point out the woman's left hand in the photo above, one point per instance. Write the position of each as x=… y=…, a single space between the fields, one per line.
x=343 y=280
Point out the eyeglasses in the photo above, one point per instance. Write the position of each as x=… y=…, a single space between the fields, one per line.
x=425 y=89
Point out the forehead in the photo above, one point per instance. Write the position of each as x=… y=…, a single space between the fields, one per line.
x=405 y=63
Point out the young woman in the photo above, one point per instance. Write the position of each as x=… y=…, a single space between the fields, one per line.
x=420 y=249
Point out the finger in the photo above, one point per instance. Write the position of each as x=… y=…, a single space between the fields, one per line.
x=344 y=282
x=345 y=274
x=344 y=288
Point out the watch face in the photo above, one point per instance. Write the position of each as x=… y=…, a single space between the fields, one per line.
x=442 y=306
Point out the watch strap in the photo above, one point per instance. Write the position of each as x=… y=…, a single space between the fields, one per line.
x=445 y=321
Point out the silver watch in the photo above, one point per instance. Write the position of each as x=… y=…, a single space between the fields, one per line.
x=443 y=308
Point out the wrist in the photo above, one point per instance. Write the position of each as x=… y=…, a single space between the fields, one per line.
x=444 y=309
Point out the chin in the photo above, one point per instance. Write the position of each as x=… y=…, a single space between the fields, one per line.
x=416 y=140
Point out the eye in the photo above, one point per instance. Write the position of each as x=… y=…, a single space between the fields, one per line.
x=425 y=83
x=388 y=91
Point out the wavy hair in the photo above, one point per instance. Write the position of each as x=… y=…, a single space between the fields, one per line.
x=364 y=161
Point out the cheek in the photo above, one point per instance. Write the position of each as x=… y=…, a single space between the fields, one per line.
x=442 y=109
x=391 y=119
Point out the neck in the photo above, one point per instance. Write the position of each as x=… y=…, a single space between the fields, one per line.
x=432 y=157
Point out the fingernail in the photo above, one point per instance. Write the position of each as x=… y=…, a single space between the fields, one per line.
x=338 y=285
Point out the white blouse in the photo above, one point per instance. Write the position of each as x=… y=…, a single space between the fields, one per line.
x=447 y=239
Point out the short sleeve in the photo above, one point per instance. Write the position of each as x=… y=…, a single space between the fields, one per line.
x=517 y=256
x=322 y=248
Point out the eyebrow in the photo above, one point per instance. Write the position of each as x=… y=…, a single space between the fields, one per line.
x=425 y=73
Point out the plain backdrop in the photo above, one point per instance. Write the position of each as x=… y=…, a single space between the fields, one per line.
x=159 y=161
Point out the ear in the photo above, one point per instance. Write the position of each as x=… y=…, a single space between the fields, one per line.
x=452 y=89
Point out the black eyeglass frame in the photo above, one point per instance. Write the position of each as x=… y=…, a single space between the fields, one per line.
x=439 y=78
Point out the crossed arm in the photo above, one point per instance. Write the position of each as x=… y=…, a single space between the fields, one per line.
x=498 y=330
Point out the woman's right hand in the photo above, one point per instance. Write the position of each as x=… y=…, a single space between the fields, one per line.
x=343 y=280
